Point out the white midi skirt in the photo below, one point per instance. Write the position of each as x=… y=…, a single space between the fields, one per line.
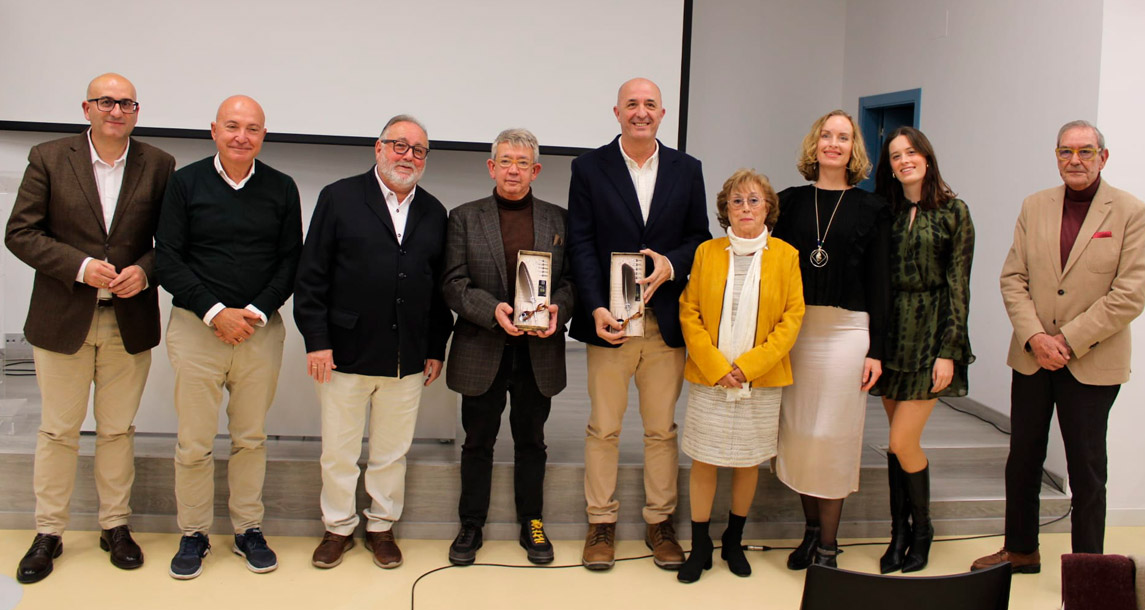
x=821 y=420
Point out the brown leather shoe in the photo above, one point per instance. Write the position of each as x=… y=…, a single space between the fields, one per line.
x=386 y=552
x=125 y=554
x=330 y=550
x=1020 y=563
x=599 y=546
x=666 y=551
x=37 y=562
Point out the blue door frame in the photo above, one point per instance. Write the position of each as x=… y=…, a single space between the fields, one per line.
x=871 y=111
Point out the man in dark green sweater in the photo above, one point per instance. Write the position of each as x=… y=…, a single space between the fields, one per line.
x=227 y=248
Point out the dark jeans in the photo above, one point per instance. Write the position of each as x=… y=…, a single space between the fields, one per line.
x=1083 y=415
x=481 y=418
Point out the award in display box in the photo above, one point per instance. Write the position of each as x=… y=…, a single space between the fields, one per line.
x=625 y=295
x=533 y=288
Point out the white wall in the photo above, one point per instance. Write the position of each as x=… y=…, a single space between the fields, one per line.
x=1118 y=116
x=762 y=72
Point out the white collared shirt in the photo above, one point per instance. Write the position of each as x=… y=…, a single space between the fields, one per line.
x=235 y=185
x=217 y=307
x=399 y=210
x=108 y=181
x=643 y=178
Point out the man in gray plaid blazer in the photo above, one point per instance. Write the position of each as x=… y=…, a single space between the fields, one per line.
x=490 y=356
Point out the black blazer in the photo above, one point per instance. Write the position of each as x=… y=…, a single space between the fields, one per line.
x=364 y=295
x=57 y=221
x=604 y=217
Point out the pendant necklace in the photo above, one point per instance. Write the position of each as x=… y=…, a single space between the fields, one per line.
x=819 y=255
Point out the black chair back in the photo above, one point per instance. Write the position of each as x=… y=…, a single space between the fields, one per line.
x=834 y=589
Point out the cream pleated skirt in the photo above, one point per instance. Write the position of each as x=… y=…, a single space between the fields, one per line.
x=822 y=414
x=734 y=434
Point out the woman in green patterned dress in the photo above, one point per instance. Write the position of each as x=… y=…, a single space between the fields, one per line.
x=928 y=348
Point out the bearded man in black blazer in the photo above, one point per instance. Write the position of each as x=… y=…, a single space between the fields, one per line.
x=490 y=356
x=85 y=219
x=368 y=304
x=634 y=195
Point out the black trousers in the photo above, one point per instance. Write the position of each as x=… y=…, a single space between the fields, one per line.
x=481 y=418
x=1083 y=415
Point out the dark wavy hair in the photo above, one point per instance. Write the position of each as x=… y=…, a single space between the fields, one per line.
x=935 y=191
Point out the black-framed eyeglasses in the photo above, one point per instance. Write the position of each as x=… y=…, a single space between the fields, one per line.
x=105 y=104
x=401 y=147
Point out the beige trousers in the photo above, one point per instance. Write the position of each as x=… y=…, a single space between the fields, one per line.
x=659 y=372
x=393 y=406
x=65 y=382
x=204 y=366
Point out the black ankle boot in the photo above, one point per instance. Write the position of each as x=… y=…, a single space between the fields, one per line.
x=700 y=557
x=892 y=560
x=802 y=556
x=732 y=541
x=918 y=490
x=825 y=555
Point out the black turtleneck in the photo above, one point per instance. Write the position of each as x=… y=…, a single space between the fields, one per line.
x=516 y=232
x=1074 y=208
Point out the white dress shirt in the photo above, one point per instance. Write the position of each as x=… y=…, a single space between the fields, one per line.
x=399 y=210
x=643 y=178
x=108 y=181
x=217 y=307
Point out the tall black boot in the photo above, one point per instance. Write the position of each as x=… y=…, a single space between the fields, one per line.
x=892 y=560
x=802 y=556
x=700 y=557
x=732 y=541
x=918 y=490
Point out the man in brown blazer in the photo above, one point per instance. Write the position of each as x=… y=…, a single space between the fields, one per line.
x=490 y=356
x=85 y=219
x=1072 y=283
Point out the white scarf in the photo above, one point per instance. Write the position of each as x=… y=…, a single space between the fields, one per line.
x=735 y=339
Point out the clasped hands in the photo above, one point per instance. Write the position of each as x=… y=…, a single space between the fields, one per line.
x=1051 y=352
x=123 y=284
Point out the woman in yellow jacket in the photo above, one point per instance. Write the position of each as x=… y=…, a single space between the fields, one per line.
x=740 y=314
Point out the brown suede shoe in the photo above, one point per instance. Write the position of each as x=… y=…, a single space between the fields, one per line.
x=666 y=551
x=330 y=550
x=1020 y=563
x=386 y=552
x=599 y=546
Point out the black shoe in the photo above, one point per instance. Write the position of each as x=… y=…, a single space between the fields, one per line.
x=37 y=562
x=537 y=547
x=188 y=560
x=803 y=555
x=918 y=490
x=463 y=551
x=892 y=559
x=732 y=546
x=700 y=557
x=125 y=554
x=825 y=555
x=252 y=545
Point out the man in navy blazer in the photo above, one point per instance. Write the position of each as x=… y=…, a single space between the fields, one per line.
x=634 y=195
x=369 y=307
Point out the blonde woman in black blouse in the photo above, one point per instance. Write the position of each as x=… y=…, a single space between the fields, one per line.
x=841 y=233
x=928 y=348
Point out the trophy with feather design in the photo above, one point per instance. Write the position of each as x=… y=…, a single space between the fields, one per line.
x=626 y=299
x=531 y=300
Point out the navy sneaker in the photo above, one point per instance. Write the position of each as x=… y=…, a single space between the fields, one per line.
x=188 y=561
x=251 y=545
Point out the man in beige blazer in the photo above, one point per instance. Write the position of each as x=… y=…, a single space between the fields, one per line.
x=85 y=219
x=1072 y=283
